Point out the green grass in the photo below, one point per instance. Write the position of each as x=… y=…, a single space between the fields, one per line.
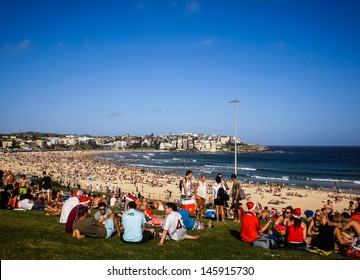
x=32 y=236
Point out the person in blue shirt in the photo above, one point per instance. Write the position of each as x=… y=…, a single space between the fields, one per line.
x=133 y=223
x=191 y=223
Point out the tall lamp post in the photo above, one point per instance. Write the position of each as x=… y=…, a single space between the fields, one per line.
x=235 y=101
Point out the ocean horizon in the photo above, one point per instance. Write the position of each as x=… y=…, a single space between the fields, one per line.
x=302 y=166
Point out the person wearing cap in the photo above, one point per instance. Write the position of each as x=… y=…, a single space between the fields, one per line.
x=89 y=226
x=296 y=231
x=69 y=204
x=129 y=198
x=133 y=223
x=73 y=215
x=251 y=227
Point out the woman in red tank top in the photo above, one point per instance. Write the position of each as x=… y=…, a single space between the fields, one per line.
x=296 y=231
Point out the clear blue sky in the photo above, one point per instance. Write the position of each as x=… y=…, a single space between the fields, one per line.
x=140 y=67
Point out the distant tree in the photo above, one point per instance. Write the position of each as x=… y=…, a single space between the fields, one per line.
x=93 y=144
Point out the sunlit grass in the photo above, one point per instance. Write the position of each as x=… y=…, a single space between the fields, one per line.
x=32 y=236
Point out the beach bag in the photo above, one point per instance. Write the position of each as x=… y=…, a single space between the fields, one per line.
x=222 y=194
x=264 y=242
x=242 y=194
x=353 y=251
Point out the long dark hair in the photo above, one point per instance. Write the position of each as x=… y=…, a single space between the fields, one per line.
x=218 y=178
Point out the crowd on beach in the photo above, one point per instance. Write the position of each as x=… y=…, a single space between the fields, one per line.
x=90 y=210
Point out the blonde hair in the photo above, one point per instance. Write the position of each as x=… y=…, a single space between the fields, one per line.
x=337 y=218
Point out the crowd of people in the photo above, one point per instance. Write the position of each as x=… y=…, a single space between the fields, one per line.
x=85 y=214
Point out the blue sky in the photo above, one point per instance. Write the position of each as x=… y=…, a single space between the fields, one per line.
x=141 y=67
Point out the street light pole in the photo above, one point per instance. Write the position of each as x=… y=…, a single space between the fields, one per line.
x=235 y=101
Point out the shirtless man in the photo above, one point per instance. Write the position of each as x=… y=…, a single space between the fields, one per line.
x=23 y=184
x=10 y=180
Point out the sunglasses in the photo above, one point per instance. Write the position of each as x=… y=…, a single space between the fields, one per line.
x=101 y=209
x=286 y=212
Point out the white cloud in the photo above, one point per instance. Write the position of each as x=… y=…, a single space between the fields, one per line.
x=23 y=46
x=192 y=7
x=279 y=44
x=60 y=45
x=143 y=5
x=114 y=114
x=206 y=42
x=18 y=47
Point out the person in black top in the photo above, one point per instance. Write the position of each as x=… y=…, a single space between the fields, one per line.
x=46 y=183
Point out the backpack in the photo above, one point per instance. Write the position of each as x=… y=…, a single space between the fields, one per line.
x=222 y=194
x=181 y=185
x=353 y=251
x=264 y=242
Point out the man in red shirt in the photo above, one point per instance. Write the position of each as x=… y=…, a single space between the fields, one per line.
x=250 y=224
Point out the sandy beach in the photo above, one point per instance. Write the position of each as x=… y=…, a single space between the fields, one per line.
x=80 y=167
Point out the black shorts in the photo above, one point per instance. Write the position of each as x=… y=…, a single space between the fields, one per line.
x=147 y=236
x=219 y=202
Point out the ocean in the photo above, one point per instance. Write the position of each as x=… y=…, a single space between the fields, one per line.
x=310 y=167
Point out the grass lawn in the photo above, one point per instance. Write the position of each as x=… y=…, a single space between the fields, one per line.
x=32 y=236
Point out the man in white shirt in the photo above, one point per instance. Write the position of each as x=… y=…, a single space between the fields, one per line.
x=69 y=204
x=174 y=225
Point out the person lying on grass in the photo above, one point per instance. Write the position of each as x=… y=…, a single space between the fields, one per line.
x=89 y=226
x=174 y=226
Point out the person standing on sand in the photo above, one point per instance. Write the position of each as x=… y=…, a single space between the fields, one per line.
x=236 y=198
x=186 y=185
x=10 y=180
x=200 y=196
x=23 y=185
x=46 y=184
x=219 y=201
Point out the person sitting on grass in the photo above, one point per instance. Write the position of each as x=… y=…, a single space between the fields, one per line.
x=354 y=225
x=190 y=223
x=89 y=226
x=296 y=231
x=314 y=227
x=281 y=222
x=151 y=218
x=103 y=213
x=69 y=204
x=73 y=216
x=133 y=223
x=330 y=237
x=174 y=226
x=251 y=227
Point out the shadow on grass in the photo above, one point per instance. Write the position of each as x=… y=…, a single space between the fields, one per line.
x=235 y=233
